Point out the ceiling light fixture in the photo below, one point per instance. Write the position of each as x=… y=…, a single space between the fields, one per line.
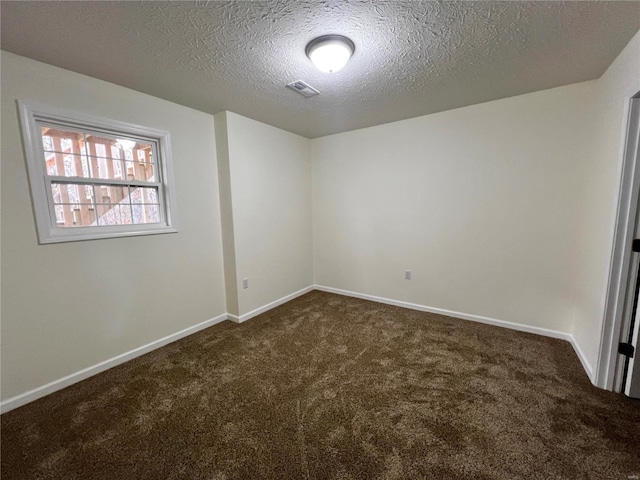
x=330 y=53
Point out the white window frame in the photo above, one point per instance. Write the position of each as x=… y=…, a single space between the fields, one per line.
x=40 y=181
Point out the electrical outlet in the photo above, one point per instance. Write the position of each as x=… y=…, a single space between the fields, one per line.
x=245 y=283
x=407 y=274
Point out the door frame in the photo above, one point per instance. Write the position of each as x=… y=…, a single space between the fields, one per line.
x=621 y=265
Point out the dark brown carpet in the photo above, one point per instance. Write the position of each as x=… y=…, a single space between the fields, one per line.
x=330 y=387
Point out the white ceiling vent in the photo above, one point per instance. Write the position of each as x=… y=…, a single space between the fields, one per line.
x=303 y=88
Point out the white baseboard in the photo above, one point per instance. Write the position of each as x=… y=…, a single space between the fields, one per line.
x=64 y=382
x=85 y=373
x=269 y=306
x=583 y=359
x=546 y=332
x=451 y=313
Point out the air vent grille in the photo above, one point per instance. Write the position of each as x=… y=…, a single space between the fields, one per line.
x=303 y=88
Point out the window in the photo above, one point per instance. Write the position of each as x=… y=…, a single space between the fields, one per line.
x=95 y=178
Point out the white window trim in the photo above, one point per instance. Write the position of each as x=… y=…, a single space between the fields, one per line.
x=48 y=230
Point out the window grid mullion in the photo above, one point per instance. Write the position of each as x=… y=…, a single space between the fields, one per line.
x=95 y=156
x=124 y=164
x=101 y=181
x=95 y=205
x=131 y=205
x=86 y=152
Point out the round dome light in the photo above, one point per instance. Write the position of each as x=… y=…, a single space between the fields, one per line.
x=330 y=53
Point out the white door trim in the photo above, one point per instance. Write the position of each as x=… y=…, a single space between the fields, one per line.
x=621 y=253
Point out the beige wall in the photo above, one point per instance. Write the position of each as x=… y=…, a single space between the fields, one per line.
x=69 y=306
x=600 y=191
x=480 y=203
x=270 y=183
x=504 y=210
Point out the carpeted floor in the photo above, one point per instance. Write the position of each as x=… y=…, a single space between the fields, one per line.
x=330 y=387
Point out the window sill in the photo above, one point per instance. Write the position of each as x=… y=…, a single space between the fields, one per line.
x=62 y=237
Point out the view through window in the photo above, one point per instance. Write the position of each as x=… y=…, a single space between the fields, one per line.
x=83 y=166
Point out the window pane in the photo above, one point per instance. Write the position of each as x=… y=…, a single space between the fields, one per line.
x=118 y=148
x=119 y=214
x=70 y=194
x=144 y=195
x=67 y=165
x=112 y=194
x=146 y=208
x=101 y=146
x=152 y=213
x=65 y=140
x=105 y=168
x=140 y=171
x=145 y=214
x=72 y=153
x=114 y=205
x=59 y=214
x=73 y=205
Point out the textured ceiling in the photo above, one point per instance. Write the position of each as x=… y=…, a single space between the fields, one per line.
x=412 y=57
